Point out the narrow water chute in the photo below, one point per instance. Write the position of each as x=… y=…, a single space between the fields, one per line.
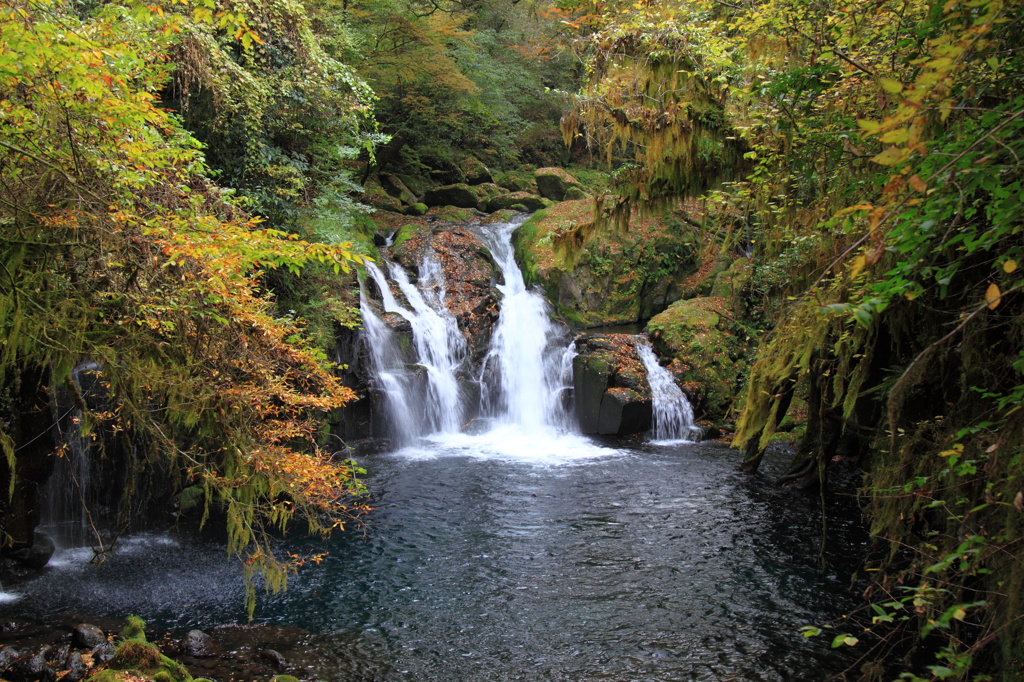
x=673 y=414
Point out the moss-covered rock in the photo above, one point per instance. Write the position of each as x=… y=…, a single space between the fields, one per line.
x=575 y=194
x=409 y=241
x=452 y=214
x=135 y=658
x=394 y=186
x=502 y=216
x=516 y=200
x=517 y=181
x=731 y=284
x=417 y=184
x=417 y=209
x=375 y=195
x=553 y=183
x=458 y=194
x=475 y=171
x=616 y=278
x=706 y=355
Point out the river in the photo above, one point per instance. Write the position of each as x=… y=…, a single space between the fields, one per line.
x=570 y=561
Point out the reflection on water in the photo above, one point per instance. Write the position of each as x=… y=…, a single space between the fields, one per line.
x=569 y=562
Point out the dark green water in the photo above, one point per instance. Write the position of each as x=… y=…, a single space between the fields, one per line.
x=566 y=563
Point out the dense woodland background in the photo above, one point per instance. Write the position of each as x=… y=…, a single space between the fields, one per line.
x=186 y=196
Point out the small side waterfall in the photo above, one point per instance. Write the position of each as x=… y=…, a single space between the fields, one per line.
x=68 y=492
x=673 y=415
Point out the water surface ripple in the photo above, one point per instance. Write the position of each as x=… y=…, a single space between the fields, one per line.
x=639 y=564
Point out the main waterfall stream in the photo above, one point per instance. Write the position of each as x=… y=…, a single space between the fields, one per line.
x=525 y=552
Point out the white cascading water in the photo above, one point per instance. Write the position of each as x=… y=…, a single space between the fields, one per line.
x=523 y=380
x=389 y=371
x=69 y=486
x=439 y=347
x=531 y=353
x=673 y=415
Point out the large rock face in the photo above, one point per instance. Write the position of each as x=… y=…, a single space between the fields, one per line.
x=618 y=278
x=469 y=276
x=612 y=395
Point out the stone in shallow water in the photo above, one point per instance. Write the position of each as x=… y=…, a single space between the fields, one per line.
x=612 y=395
x=201 y=645
x=86 y=636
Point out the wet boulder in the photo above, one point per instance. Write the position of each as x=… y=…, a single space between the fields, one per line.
x=707 y=356
x=612 y=395
x=86 y=636
x=469 y=275
x=34 y=556
x=198 y=644
x=33 y=666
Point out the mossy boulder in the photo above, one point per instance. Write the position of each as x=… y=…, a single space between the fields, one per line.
x=517 y=181
x=616 y=277
x=409 y=241
x=136 y=658
x=707 y=357
x=502 y=216
x=516 y=201
x=575 y=194
x=452 y=214
x=475 y=171
x=417 y=184
x=394 y=186
x=553 y=183
x=417 y=209
x=375 y=195
x=611 y=392
x=458 y=194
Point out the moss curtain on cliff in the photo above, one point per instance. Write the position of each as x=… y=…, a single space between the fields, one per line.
x=885 y=185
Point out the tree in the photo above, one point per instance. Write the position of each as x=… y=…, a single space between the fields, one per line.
x=884 y=210
x=116 y=247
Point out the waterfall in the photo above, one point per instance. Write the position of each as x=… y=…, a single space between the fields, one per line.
x=532 y=356
x=438 y=346
x=389 y=371
x=69 y=489
x=523 y=379
x=673 y=415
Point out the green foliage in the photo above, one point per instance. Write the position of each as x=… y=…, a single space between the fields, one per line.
x=884 y=211
x=116 y=247
x=281 y=117
x=469 y=79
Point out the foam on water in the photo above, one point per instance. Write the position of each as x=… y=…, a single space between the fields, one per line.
x=542 y=446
